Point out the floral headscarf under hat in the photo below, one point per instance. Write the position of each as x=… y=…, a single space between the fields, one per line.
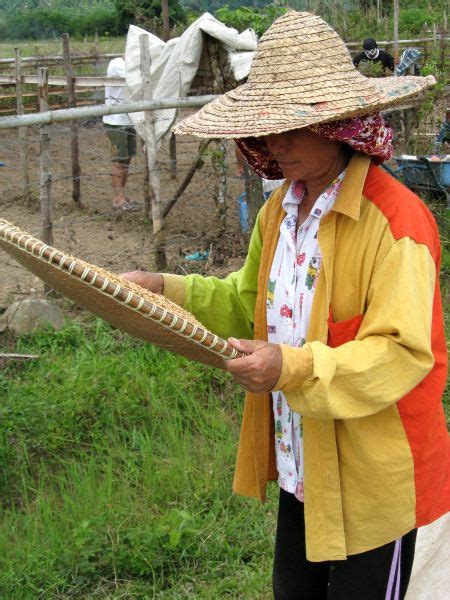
x=369 y=134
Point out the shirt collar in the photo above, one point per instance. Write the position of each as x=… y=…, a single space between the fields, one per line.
x=294 y=197
x=348 y=201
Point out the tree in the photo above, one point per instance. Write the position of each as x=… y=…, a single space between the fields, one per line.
x=144 y=12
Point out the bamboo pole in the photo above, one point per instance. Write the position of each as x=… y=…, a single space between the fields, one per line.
x=57 y=58
x=84 y=81
x=151 y=151
x=74 y=149
x=88 y=112
x=22 y=133
x=45 y=178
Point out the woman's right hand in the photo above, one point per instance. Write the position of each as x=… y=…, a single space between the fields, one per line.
x=154 y=282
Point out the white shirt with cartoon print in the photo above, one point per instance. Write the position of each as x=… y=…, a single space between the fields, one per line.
x=290 y=294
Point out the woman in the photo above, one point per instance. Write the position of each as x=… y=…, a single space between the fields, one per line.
x=339 y=314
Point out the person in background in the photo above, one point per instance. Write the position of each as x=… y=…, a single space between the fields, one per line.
x=339 y=315
x=373 y=54
x=122 y=137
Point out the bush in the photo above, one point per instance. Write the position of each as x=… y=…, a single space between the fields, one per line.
x=245 y=17
x=413 y=20
x=44 y=22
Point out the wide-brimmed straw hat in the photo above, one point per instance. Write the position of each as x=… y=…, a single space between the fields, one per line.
x=302 y=74
x=125 y=305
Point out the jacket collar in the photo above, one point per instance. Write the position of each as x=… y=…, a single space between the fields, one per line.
x=348 y=201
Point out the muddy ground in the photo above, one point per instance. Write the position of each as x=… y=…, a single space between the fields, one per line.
x=100 y=235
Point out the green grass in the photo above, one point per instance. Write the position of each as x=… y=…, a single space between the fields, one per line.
x=117 y=464
x=53 y=47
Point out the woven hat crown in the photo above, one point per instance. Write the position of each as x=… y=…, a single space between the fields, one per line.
x=302 y=74
x=301 y=51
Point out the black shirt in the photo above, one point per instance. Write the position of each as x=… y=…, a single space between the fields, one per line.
x=383 y=57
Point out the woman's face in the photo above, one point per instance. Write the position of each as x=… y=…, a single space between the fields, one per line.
x=302 y=154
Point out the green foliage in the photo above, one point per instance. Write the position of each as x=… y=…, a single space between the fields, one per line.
x=147 y=13
x=371 y=69
x=245 y=17
x=116 y=466
x=414 y=20
x=434 y=98
x=47 y=20
x=200 y=6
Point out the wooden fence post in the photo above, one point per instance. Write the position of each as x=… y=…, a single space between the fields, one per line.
x=435 y=43
x=443 y=43
x=46 y=178
x=396 y=17
x=165 y=19
x=76 y=170
x=254 y=194
x=222 y=158
x=150 y=147
x=22 y=133
x=173 y=156
x=97 y=69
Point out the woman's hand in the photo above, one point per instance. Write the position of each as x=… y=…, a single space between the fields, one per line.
x=260 y=370
x=154 y=282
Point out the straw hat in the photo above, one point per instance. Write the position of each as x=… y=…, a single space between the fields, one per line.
x=125 y=305
x=302 y=74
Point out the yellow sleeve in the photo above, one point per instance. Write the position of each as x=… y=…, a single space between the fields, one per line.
x=390 y=355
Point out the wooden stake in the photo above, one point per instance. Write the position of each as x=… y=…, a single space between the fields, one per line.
x=165 y=19
x=76 y=170
x=197 y=164
x=22 y=133
x=45 y=161
x=97 y=68
x=222 y=162
x=150 y=147
x=443 y=44
x=254 y=194
x=173 y=156
x=396 y=17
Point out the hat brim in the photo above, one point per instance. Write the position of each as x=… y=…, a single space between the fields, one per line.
x=125 y=306
x=257 y=110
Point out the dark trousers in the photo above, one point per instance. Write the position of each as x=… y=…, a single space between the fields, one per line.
x=379 y=574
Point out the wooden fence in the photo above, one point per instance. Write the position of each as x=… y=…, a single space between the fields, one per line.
x=67 y=88
x=88 y=89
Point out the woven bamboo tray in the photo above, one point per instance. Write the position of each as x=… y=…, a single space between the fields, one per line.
x=125 y=305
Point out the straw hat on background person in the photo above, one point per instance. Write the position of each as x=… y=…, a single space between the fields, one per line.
x=302 y=74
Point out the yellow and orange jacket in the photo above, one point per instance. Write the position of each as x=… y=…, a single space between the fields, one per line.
x=370 y=379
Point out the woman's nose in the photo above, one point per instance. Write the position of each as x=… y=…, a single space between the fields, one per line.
x=276 y=143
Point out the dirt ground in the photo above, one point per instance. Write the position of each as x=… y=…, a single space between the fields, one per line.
x=97 y=233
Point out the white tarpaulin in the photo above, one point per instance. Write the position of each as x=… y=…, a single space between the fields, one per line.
x=430 y=577
x=174 y=64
